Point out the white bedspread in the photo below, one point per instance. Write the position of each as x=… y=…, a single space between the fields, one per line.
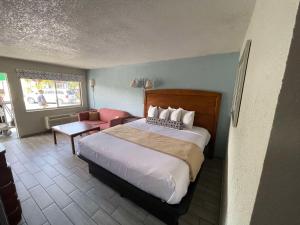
x=159 y=174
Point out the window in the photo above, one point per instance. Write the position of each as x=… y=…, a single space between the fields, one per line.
x=8 y=112
x=44 y=94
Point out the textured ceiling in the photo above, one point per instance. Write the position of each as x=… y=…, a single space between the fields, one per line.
x=103 y=33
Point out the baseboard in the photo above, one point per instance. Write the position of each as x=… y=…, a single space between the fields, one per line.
x=34 y=134
x=224 y=192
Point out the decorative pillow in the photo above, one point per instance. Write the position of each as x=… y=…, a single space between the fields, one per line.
x=93 y=116
x=175 y=114
x=187 y=117
x=166 y=123
x=163 y=114
x=152 y=111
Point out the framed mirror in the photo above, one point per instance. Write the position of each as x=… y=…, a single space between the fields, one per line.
x=239 y=84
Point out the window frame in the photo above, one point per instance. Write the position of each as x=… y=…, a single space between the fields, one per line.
x=80 y=105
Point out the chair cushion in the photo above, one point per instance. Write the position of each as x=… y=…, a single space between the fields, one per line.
x=108 y=114
x=98 y=122
x=83 y=116
x=104 y=126
x=93 y=116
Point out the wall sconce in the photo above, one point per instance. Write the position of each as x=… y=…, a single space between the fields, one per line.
x=148 y=84
x=92 y=83
x=134 y=83
x=142 y=83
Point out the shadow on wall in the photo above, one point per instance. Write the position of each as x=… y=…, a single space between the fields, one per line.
x=158 y=83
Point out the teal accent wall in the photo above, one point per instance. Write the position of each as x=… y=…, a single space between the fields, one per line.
x=213 y=72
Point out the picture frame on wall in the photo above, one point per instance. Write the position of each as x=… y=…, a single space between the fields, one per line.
x=239 y=84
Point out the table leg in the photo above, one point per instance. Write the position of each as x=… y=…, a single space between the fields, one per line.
x=54 y=137
x=73 y=145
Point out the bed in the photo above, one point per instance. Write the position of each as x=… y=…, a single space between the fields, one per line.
x=158 y=182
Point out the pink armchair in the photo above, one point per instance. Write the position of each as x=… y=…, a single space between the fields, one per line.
x=107 y=117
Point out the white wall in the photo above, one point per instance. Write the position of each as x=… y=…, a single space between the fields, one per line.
x=33 y=122
x=271 y=30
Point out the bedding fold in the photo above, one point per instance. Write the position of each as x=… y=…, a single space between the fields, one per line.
x=184 y=150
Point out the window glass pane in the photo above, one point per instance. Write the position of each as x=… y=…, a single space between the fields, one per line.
x=68 y=93
x=38 y=94
x=43 y=94
x=4 y=88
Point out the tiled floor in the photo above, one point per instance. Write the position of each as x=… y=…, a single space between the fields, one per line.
x=55 y=188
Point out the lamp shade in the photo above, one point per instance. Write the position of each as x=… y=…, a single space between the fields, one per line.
x=148 y=84
x=133 y=83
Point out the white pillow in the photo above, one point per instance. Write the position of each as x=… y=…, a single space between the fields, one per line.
x=175 y=114
x=160 y=110
x=152 y=111
x=187 y=117
x=164 y=114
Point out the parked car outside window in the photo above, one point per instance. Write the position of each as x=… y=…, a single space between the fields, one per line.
x=55 y=93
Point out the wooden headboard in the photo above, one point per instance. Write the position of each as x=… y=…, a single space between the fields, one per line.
x=206 y=105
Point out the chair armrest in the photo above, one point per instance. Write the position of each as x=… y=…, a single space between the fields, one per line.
x=83 y=116
x=115 y=122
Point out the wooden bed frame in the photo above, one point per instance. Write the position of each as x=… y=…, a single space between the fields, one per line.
x=206 y=105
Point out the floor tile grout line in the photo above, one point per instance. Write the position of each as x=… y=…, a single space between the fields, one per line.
x=206 y=220
x=72 y=168
x=67 y=205
x=110 y=215
x=31 y=197
x=82 y=211
x=38 y=207
x=62 y=212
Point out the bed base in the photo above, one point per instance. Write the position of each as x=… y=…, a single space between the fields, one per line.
x=165 y=212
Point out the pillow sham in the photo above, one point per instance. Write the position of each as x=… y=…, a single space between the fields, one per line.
x=152 y=111
x=175 y=114
x=187 y=118
x=163 y=114
x=93 y=116
x=166 y=123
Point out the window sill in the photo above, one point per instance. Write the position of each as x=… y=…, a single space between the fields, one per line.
x=55 y=108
